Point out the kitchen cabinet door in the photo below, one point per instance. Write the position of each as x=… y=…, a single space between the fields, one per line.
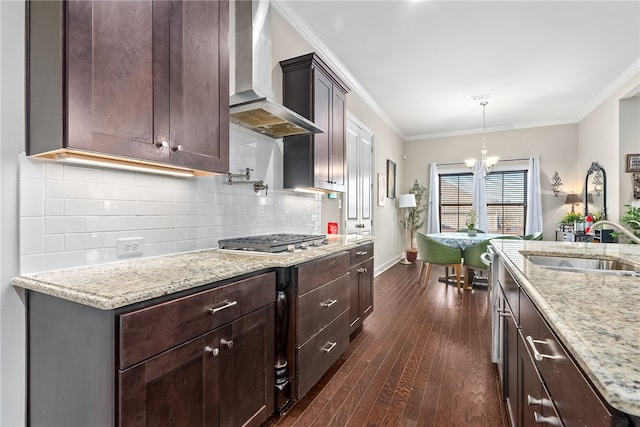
x=140 y=80
x=114 y=68
x=361 y=285
x=199 y=85
x=247 y=375
x=338 y=163
x=511 y=369
x=179 y=387
x=530 y=390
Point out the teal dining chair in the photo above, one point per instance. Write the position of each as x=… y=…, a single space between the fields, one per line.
x=472 y=261
x=433 y=252
x=533 y=236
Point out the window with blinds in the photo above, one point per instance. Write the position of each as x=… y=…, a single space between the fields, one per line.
x=506 y=201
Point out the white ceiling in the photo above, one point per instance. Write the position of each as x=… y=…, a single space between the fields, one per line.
x=421 y=62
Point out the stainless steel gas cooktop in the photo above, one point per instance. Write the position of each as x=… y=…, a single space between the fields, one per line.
x=273 y=242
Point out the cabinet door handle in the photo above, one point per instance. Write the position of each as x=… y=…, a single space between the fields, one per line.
x=226 y=343
x=214 y=351
x=162 y=143
x=330 y=347
x=361 y=253
x=542 y=402
x=504 y=313
x=329 y=302
x=362 y=270
x=177 y=148
x=552 y=421
x=536 y=354
x=222 y=307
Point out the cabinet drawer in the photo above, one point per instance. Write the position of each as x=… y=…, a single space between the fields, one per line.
x=320 y=307
x=360 y=254
x=149 y=331
x=318 y=354
x=317 y=273
x=511 y=291
x=576 y=401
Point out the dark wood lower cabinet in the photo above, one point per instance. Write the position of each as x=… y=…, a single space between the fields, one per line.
x=361 y=285
x=224 y=378
x=542 y=385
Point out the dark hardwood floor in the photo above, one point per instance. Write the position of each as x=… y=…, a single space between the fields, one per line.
x=421 y=359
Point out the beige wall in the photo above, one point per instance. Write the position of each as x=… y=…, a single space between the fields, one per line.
x=557 y=147
x=287 y=43
x=600 y=140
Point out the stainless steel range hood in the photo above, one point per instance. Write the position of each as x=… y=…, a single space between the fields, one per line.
x=251 y=105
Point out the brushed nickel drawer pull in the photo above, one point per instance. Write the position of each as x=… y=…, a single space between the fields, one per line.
x=362 y=270
x=214 y=351
x=360 y=253
x=542 y=402
x=504 y=313
x=552 y=421
x=226 y=343
x=328 y=349
x=222 y=307
x=329 y=303
x=536 y=354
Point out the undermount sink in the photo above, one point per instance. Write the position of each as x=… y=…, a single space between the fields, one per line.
x=615 y=267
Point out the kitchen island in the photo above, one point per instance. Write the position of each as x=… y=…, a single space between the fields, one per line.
x=206 y=336
x=594 y=316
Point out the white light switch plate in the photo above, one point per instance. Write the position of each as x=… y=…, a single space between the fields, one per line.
x=130 y=247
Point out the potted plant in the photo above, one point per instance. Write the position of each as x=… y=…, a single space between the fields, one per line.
x=472 y=219
x=415 y=217
x=631 y=218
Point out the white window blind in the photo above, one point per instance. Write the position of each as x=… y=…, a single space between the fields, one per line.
x=506 y=201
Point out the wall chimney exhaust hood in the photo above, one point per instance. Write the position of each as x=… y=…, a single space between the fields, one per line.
x=251 y=105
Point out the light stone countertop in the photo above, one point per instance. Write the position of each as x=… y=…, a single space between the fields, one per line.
x=597 y=317
x=117 y=284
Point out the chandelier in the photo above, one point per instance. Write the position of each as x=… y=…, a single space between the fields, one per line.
x=489 y=162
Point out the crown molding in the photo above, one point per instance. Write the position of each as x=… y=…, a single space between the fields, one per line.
x=332 y=60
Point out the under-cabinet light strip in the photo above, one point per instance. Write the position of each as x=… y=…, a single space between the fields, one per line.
x=100 y=162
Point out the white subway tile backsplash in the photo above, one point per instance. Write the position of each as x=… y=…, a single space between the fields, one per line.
x=58 y=260
x=54 y=243
x=64 y=224
x=82 y=174
x=79 y=213
x=64 y=189
x=83 y=207
x=31 y=197
x=74 y=242
x=32 y=230
x=31 y=263
x=53 y=207
x=117 y=207
x=54 y=171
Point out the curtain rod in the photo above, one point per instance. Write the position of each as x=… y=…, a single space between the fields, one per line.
x=499 y=161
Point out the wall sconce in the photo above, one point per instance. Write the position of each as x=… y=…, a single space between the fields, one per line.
x=556 y=182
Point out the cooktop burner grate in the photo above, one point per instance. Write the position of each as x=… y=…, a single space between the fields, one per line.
x=273 y=242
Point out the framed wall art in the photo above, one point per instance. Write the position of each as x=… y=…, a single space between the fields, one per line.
x=382 y=189
x=633 y=162
x=636 y=186
x=391 y=179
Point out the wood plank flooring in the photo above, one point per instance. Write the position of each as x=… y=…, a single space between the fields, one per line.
x=421 y=359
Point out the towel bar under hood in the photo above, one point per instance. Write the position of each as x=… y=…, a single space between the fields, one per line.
x=251 y=105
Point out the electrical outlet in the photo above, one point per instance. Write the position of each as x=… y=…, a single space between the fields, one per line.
x=130 y=247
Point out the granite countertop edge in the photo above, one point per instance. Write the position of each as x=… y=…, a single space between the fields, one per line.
x=114 y=285
x=617 y=380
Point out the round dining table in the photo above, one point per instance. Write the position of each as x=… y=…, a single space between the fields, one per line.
x=462 y=240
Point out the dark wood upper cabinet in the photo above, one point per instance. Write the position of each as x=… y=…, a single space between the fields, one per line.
x=311 y=89
x=142 y=80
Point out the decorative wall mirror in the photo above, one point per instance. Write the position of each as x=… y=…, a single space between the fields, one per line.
x=595 y=191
